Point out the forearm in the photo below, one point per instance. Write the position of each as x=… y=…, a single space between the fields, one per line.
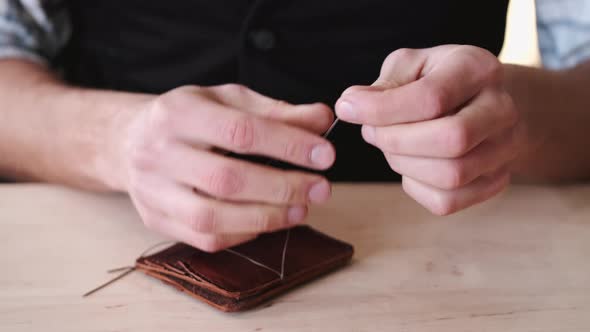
x=555 y=113
x=57 y=133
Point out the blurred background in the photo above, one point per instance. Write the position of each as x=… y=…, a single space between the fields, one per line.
x=521 y=45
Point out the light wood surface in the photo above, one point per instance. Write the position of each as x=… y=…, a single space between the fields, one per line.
x=520 y=262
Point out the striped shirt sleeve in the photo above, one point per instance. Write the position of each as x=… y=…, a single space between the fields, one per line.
x=36 y=30
x=564 y=32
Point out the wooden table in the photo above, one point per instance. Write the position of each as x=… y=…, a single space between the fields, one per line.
x=520 y=262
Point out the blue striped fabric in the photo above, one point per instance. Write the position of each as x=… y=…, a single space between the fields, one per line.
x=33 y=29
x=564 y=32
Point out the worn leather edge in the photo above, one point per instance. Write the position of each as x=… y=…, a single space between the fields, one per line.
x=238 y=295
x=234 y=304
x=204 y=283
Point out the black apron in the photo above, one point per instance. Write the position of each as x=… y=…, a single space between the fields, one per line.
x=300 y=51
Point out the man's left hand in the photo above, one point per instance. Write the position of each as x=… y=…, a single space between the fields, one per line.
x=443 y=121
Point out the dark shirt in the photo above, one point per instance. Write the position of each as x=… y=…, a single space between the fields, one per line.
x=299 y=51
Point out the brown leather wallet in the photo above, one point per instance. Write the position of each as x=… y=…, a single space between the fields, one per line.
x=247 y=275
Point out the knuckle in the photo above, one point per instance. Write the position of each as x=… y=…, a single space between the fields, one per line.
x=407 y=187
x=276 y=108
x=387 y=142
x=234 y=88
x=292 y=150
x=435 y=100
x=391 y=161
x=162 y=118
x=224 y=181
x=474 y=53
x=286 y=191
x=239 y=133
x=486 y=62
x=492 y=65
x=457 y=140
x=279 y=105
x=397 y=56
x=456 y=175
x=164 y=110
x=477 y=54
x=438 y=203
x=263 y=222
x=181 y=91
x=442 y=206
x=400 y=55
x=203 y=219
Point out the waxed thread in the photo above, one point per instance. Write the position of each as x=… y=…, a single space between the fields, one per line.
x=283 y=256
x=126 y=269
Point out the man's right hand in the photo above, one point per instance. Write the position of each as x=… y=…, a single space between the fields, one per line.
x=185 y=188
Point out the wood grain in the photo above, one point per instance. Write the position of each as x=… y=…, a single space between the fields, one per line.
x=520 y=262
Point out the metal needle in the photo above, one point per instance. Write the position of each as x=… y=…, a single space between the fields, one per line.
x=327 y=133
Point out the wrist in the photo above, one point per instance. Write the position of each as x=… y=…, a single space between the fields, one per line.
x=94 y=140
x=111 y=163
x=551 y=108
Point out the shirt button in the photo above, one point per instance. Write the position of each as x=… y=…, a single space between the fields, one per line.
x=263 y=39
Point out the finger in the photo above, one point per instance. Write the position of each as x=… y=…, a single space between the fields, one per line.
x=457 y=172
x=400 y=68
x=202 y=241
x=315 y=117
x=235 y=131
x=444 y=202
x=238 y=180
x=210 y=216
x=451 y=136
x=159 y=213
x=450 y=77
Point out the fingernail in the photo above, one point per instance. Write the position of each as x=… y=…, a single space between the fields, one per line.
x=320 y=192
x=346 y=111
x=368 y=133
x=322 y=155
x=296 y=214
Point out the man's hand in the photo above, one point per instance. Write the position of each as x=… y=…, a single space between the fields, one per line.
x=443 y=121
x=184 y=187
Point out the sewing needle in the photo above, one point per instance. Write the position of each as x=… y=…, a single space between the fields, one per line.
x=327 y=133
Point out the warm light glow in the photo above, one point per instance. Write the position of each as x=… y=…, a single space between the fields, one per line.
x=521 y=45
